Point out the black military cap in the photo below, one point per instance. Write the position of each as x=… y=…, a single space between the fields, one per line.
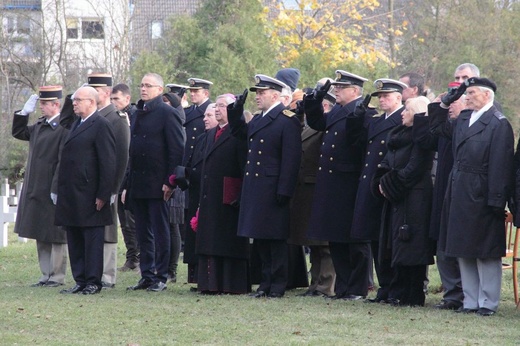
x=263 y=82
x=50 y=92
x=99 y=80
x=481 y=82
x=385 y=85
x=176 y=88
x=347 y=78
x=197 y=83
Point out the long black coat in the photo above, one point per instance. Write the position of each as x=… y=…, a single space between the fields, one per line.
x=218 y=222
x=156 y=148
x=35 y=214
x=87 y=171
x=408 y=187
x=481 y=179
x=194 y=125
x=273 y=161
x=367 y=212
x=121 y=128
x=337 y=179
x=301 y=203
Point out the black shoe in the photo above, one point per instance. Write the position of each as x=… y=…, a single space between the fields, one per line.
x=258 y=294
x=38 y=284
x=393 y=302
x=141 y=285
x=275 y=295
x=107 y=285
x=375 y=300
x=336 y=297
x=353 y=297
x=73 y=290
x=157 y=287
x=448 y=305
x=463 y=310
x=485 y=312
x=91 y=289
x=52 y=284
x=193 y=289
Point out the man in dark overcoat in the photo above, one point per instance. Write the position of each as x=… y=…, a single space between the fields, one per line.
x=336 y=186
x=102 y=82
x=35 y=215
x=223 y=255
x=481 y=181
x=273 y=161
x=156 y=148
x=373 y=131
x=194 y=124
x=85 y=184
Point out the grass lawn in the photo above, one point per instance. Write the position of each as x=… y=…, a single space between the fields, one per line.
x=42 y=316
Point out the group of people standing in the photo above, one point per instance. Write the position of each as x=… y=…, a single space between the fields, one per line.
x=316 y=167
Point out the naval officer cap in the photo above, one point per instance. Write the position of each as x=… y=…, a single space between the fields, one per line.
x=197 y=83
x=50 y=92
x=100 y=80
x=480 y=82
x=176 y=88
x=263 y=82
x=347 y=78
x=385 y=85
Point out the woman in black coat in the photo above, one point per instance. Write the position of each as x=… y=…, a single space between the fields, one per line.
x=404 y=181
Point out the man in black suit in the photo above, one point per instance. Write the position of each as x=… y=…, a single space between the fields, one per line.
x=85 y=184
x=156 y=148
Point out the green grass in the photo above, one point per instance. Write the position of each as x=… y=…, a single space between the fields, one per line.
x=42 y=316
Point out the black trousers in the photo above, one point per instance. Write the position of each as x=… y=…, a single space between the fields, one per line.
x=127 y=222
x=351 y=262
x=408 y=285
x=384 y=272
x=86 y=254
x=153 y=234
x=274 y=256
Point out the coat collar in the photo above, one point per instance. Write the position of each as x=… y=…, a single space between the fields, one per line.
x=74 y=132
x=464 y=131
x=381 y=124
x=259 y=122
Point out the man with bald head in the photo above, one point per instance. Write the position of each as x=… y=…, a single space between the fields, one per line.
x=85 y=183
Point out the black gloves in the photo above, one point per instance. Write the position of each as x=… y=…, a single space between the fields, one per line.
x=282 y=200
x=241 y=99
x=319 y=94
x=299 y=110
x=453 y=94
x=362 y=107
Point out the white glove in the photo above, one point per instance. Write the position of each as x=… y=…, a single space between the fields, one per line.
x=30 y=105
x=113 y=199
x=54 y=198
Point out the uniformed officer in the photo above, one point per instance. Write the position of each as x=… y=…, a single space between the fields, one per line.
x=337 y=179
x=102 y=82
x=194 y=124
x=367 y=213
x=273 y=161
x=35 y=216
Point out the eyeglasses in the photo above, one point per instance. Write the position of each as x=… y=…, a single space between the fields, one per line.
x=148 y=86
x=79 y=100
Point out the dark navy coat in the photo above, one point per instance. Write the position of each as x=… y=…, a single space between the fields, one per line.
x=194 y=125
x=367 y=213
x=337 y=179
x=156 y=148
x=273 y=162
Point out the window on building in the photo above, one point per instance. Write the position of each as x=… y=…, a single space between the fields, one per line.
x=85 y=28
x=156 y=29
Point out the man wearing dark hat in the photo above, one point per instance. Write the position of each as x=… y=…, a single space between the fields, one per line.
x=120 y=125
x=273 y=161
x=86 y=182
x=194 y=124
x=373 y=131
x=481 y=181
x=336 y=185
x=289 y=76
x=35 y=216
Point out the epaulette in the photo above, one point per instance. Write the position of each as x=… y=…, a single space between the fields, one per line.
x=288 y=113
x=499 y=115
x=377 y=115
